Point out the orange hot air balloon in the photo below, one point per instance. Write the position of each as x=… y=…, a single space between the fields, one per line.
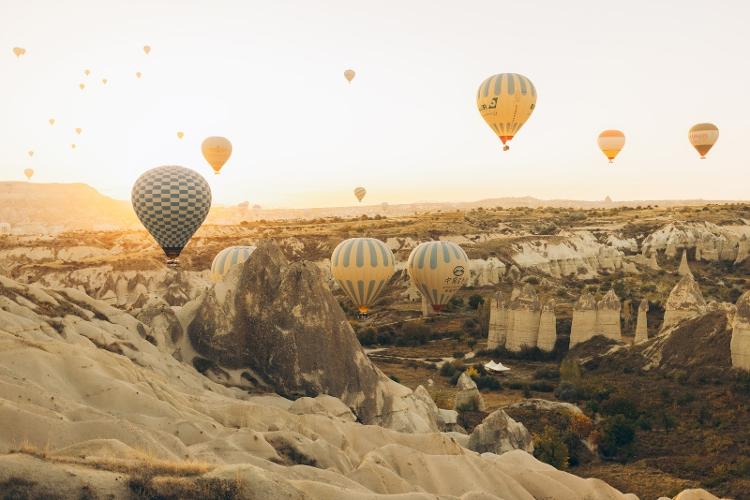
x=104 y=81
x=81 y=86
x=29 y=173
x=87 y=72
x=31 y=153
x=147 y=49
x=137 y=74
x=349 y=74
x=51 y=121
x=19 y=51
x=703 y=136
x=180 y=135
x=611 y=143
x=79 y=130
x=216 y=151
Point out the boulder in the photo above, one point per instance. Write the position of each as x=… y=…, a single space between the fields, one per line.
x=641 y=325
x=280 y=325
x=468 y=396
x=523 y=328
x=498 y=434
x=684 y=301
x=608 y=316
x=583 y=325
x=740 y=344
x=547 y=327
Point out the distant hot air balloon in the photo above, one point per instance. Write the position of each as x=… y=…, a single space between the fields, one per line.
x=171 y=202
x=611 y=143
x=51 y=121
x=384 y=206
x=362 y=266
x=349 y=74
x=29 y=173
x=138 y=74
x=506 y=101
x=19 y=51
x=104 y=81
x=30 y=153
x=180 y=135
x=81 y=86
x=72 y=146
x=79 y=130
x=87 y=72
x=703 y=136
x=360 y=193
x=147 y=49
x=228 y=258
x=216 y=151
x=438 y=269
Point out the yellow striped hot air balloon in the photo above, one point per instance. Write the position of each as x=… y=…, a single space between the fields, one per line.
x=506 y=101
x=362 y=266
x=216 y=151
x=228 y=258
x=438 y=269
x=360 y=193
x=703 y=136
x=611 y=143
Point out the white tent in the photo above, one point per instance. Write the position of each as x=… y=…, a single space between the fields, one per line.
x=496 y=367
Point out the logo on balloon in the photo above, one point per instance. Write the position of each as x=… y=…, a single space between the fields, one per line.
x=458 y=271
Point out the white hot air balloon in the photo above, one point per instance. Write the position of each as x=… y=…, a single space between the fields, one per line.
x=438 y=269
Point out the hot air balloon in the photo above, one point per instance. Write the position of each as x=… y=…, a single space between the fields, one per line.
x=171 y=202
x=362 y=266
x=180 y=135
x=703 y=136
x=30 y=153
x=19 y=51
x=104 y=81
x=384 y=206
x=506 y=101
x=228 y=258
x=349 y=74
x=79 y=130
x=51 y=121
x=81 y=86
x=216 y=151
x=138 y=74
x=360 y=193
x=72 y=146
x=611 y=142
x=147 y=49
x=438 y=269
x=29 y=173
x=87 y=72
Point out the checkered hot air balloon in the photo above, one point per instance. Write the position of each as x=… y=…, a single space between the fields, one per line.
x=438 y=269
x=171 y=202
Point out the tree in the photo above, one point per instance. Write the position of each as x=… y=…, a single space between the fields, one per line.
x=550 y=447
x=617 y=436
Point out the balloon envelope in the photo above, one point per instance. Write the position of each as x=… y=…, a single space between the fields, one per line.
x=19 y=51
x=216 y=151
x=349 y=74
x=137 y=74
x=703 y=136
x=362 y=266
x=611 y=143
x=506 y=101
x=51 y=121
x=360 y=193
x=81 y=86
x=438 y=269
x=29 y=173
x=171 y=202
x=180 y=135
x=79 y=130
x=228 y=258
x=147 y=49
x=31 y=153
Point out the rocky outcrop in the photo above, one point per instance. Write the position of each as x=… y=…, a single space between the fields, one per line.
x=740 y=344
x=547 y=327
x=608 y=316
x=743 y=250
x=279 y=325
x=641 y=325
x=684 y=301
x=468 y=397
x=498 y=434
x=684 y=268
x=583 y=325
x=710 y=241
x=498 y=324
x=523 y=320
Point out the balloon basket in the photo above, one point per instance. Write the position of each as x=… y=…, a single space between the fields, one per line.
x=173 y=262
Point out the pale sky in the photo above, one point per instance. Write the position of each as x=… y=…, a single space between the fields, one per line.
x=268 y=75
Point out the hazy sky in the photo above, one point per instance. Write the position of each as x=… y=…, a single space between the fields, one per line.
x=269 y=76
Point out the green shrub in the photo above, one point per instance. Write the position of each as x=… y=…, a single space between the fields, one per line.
x=394 y=378
x=550 y=447
x=458 y=354
x=617 y=434
x=367 y=336
x=546 y=373
x=488 y=382
x=620 y=406
x=447 y=369
x=541 y=386
x=570 y=370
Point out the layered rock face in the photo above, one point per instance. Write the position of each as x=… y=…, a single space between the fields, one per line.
x=523 y=320
x=498 y=325
x=592 y=318
x=608 y=316
x=684 y=267
x=583 y=325
x=740 y=345
x=711 y=242
x=641 y=325
x=684 y=301
x=279 y=325
x=547 y=327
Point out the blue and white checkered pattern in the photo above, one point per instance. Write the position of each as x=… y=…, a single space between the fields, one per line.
x=172 y=202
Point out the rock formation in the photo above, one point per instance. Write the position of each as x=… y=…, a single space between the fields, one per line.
x=468 y=396
x=498 y=325
x=740 y=345
x=583 y=324
x=547 y=327
x=641 y=325
x=743 y=250
x=652 y=262
x=684 y=267
x=523 y=320
x=498 y=434
x=279 y=325
x=684 y=301
x=608 y=316
x=710 y=241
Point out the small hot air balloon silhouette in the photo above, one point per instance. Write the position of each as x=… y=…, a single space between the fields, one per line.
x=180 y=135
x=228 y=258
x=360 y=193
x=147 y=49
x=506 y=101
x=30 y=153
x=51 y=121
x=19 y=51
x=703 y=136
x=611 y=143
x=138 y=74
x=87 y=72
x=72 y=146
x=104 y=81
x=81 y=86
x=349 y=74
x=438 y=269
x=216 y=150
x=79 y=130
x=362 y=266
x=171 y=202
x=29 y=173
